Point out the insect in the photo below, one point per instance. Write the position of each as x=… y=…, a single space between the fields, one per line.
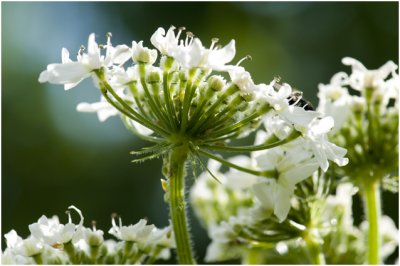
x=296 y=99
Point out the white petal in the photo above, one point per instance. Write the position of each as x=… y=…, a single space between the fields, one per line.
x=44 y=76
x=121 y=54
x=282 y=202
x=297 y=174
x=354 y=63
x=386 y=69
x=93 y=55
x=219 y=57
x=65 y=56
x=265 y=193
x=142 y=129
x=12 y=239
x=72 y=72
x=165 y=43
x=322 y=126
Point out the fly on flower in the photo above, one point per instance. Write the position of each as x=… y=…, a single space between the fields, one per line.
x=296 y=99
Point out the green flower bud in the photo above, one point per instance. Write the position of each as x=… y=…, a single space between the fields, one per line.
x=154 y=77
x=216 y=83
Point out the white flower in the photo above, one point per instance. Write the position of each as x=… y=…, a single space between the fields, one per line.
x=222 y=236
x=27 y=247
x=93 y=237
x=143 y=54
x=138 y=232
x=164 y=237
x=334 y=100
x=52 y=232
x=293 y=165
x=236 y=179
x=362 y=78
x=194 y=54
x=9 y=257
x=277 y=98
x=241 y=78
x=165 y=43
x=339 y=205
x=71 y=73
x=191 y=53
x=121 y=77
x=103 y=109
x=316 y=139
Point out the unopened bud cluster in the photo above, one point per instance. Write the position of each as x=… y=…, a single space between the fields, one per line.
x=52 y=242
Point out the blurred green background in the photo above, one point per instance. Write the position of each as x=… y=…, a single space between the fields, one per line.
x=53 y=156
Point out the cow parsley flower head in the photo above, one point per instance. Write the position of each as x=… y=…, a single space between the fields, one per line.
x=51 y=242
x=187 y=110
x=364 y=107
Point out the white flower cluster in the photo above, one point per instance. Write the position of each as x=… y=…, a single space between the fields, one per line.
x=52 y=242
x=279 y=169
x=178 y=94
x=246 y=225
x=365 y=107
x=338 y=101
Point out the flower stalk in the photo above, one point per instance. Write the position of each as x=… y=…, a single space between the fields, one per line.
x=373 y=211
x=315 y=251
x=176 y=176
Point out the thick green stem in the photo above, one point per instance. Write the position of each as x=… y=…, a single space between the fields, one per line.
x=176 y=173
x=373 y=211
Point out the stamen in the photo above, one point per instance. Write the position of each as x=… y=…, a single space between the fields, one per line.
x=69 y=216
x=109 y=35
x=79 y=212
x=189 y=38
x=94 y=225
x=113 y=217
x=180 y=30
x=81 y=49
x=247 y=57
x=213 y=42
x=276 y=82
x=120 y=221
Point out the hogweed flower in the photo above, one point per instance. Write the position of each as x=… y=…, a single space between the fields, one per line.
x=52 y=242
x=367 y=124
x=188 y=110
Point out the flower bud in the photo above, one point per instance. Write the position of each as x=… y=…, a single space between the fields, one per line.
x=154 y=76
x=142 y=54
x=216 y=83
x=93 y=237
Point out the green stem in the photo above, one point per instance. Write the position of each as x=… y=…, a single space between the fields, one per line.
x=373 y=209
x=315 y=251
x=253 y=256
x=176 y=173
x=38 y=258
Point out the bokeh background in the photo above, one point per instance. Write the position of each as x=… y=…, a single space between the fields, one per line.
x=53 y=156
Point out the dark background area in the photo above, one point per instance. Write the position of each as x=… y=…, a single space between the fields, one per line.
x=53 y=156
